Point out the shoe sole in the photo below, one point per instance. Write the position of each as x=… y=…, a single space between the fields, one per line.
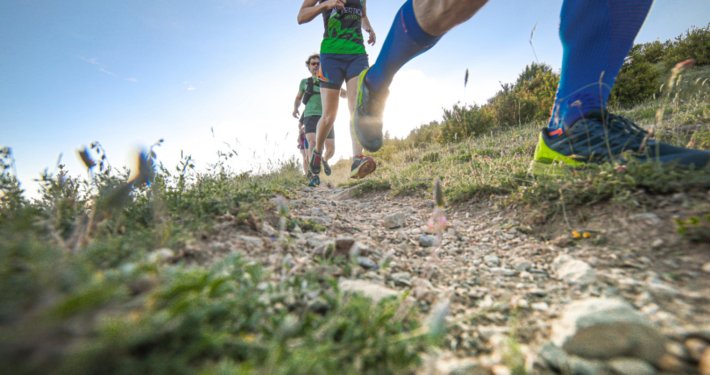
x=377 y=144
x=548 y=162
x=364 y=169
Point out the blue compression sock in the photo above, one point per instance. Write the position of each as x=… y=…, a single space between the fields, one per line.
x=596 y=37
x=405 y=40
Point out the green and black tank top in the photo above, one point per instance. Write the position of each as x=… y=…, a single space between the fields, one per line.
x=343 y=29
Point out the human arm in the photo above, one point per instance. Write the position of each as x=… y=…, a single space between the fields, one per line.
x=371 y=38
x=297 y=103
x=310 y=9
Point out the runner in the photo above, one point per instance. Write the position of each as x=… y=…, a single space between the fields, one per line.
x=309 y=94
x=596 y=37
x=343 y=57
x=303 y=145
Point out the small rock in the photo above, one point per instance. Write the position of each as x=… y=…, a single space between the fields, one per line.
x=648 y=217
x=160 y=255
x=395 y=220
x=373 y=291
x=427 y=240
x=573 y=271
x=522 y=265
x=695 y=347
x=631 y=366
x=252 y=241
x=706 y=267
x=491 y=260
x=507 y=272
x=658 y=242
x=540 y=306
x=343 y=246
x=269 y=230
x=602 y=328
x=672 y=364
x=367 y=263
x=402 y=278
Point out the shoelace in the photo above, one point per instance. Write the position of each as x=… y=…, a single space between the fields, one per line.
x=637 y=138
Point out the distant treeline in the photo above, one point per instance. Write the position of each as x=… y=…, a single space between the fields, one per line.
x=530 y=97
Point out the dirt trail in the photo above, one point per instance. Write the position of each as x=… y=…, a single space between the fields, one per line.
x=499 y=272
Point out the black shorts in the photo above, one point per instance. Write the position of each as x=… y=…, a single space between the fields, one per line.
x=311 y=123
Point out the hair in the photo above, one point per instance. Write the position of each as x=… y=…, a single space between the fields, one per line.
x=311 y=57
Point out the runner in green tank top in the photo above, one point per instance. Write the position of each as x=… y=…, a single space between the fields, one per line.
x=309 y=94
x=342 y=57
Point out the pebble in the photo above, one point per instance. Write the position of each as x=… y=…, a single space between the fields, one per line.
x=395 y=220
x=427 y=240
x=491 y=260
x=367 y=263
x=631 y=366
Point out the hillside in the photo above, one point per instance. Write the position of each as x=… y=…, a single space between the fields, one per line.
x=591 y=271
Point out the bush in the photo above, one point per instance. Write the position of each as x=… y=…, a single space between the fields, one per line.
x=637 y=82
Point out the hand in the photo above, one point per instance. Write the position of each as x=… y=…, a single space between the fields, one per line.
x=343 y=93
x=296 y=113
x=371 y=37
x=330 y=4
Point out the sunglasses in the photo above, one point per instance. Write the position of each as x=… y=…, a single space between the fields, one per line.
x=315 y=63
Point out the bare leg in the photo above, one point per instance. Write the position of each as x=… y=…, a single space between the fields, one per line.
x=305 y=161
x=330 y=100
x=436 y=17
x=351 y=85
x=311 y=138
x=329 y=149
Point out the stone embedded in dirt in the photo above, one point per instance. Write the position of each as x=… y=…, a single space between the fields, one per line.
x=604 y=328
x=522 y=265
x=427 y=240
x=401 y=278
x=395 y=220
x=367 y=263
x=563 y=363
x=706 y=267
x=647 y=217
x=631 y=366
x=373 y=291
x=573 y=271
x=491 y=260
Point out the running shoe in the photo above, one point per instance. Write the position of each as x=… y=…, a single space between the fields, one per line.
x=315 y=181
x=601 y=139
x=326 y=167
x=314 y=164
x=367 y=119
x=362 y=166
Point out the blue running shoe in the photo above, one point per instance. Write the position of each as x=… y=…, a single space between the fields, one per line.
x=601 y=139
x=367 y=119
x=362 y=166
x=315 y=181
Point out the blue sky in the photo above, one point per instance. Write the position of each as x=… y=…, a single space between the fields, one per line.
x=222 y=74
